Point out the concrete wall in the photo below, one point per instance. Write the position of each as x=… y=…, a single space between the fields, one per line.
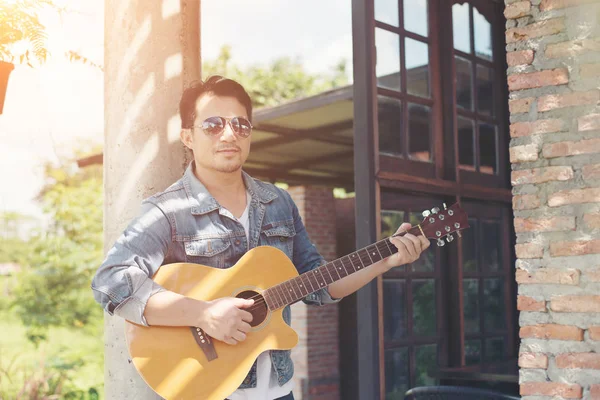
x=152 y=51
x=553 y=53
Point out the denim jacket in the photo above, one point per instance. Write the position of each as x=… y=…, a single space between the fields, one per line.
x=186 y=224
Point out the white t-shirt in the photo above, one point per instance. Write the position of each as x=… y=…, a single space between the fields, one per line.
x=267 y=387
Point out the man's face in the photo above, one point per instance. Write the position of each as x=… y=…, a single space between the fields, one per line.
x=225 y=152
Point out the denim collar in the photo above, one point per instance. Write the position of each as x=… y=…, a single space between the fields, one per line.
x=203 y=202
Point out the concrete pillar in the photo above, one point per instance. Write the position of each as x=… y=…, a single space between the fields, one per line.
x=152 y=51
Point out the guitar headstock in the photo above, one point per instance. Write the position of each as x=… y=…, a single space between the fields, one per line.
x=438 y=224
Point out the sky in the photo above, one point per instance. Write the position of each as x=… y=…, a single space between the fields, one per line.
x=48 y=109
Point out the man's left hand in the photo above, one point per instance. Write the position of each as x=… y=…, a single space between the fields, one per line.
x=409 y=247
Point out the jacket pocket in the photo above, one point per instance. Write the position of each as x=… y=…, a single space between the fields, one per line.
x=279 y=235
x=212 y=252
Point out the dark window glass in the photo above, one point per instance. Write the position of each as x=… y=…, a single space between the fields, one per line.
x=426 y=361
x=389 y=119
x=396 y=373
x=472 y=351
x=471 y=305
x=493 y=310
x=466 y=143
x=491 y=246
x=424 y=315
x=394 y=309
x=487 y=148
x=464 y=79
x=419 y=132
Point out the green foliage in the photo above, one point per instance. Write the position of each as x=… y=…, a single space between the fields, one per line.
x=67 y=366
x=283 y=80
x=53 y=289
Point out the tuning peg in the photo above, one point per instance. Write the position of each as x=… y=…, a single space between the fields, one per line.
x=435 y=210
x=441 y=243
x=449 y=238
x=458 y=233
x=426 y=213
x=445 y=208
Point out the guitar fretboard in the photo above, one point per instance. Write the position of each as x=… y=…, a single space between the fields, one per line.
x=297 y=288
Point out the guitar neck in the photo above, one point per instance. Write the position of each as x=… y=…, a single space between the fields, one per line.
x=297 y=288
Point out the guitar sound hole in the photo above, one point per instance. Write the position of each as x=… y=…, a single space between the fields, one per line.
x=258 y=309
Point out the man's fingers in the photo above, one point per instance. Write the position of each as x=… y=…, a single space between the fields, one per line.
x=246 y=316
x=230 y=340
x=244 y=327
x=404 y=227
x=239 y=336
x=416 y=242
x=399 y=243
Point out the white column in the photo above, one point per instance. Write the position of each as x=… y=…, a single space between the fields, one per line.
x=151 y=52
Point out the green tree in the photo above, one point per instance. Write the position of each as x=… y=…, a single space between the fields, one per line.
x=13 y=247
x=53 y=289
x=283 y=80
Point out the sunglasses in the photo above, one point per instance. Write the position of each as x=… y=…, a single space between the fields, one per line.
x=214 y=126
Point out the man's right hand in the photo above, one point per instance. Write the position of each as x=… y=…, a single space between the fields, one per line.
x=226 y=320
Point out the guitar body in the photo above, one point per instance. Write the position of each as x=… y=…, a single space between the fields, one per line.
x=169 y=359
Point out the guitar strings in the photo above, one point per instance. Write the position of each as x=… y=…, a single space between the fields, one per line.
x=259 y=299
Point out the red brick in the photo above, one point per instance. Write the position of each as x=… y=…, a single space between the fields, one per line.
x=578 y=361
x=551 y=331
x=586 y=304
x=591 y=171
x=548 y=275
x=538 y=29
x=589 y=70
x=520 y=105
x=595 y=392
x=523 y=57
x=541 y=175
x=594 y=332
x=564 y=149
x=538 y=79
x=529 y=250
x=519 y=129
x=526 y=202
x=576 y=196
x=526 y=303
x=554 y=101
x=528 y=152
x=589 y=122
x=574 y=248
x=547 y=5
x=533 y=360
x=517 y=10
x=591 y=221
x=564 y=390
x=572 y=48
x=551 y=224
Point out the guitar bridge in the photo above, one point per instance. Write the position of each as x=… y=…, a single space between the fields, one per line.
x=205 y=343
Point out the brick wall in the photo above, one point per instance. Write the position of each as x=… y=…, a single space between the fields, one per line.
x=316 y=358
x=553 y=56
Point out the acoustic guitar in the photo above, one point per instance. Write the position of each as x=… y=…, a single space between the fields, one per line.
x=185 y=363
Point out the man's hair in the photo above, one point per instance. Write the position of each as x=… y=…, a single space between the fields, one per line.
x=215 y=85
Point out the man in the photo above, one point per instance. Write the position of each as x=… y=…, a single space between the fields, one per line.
x=212 y=216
